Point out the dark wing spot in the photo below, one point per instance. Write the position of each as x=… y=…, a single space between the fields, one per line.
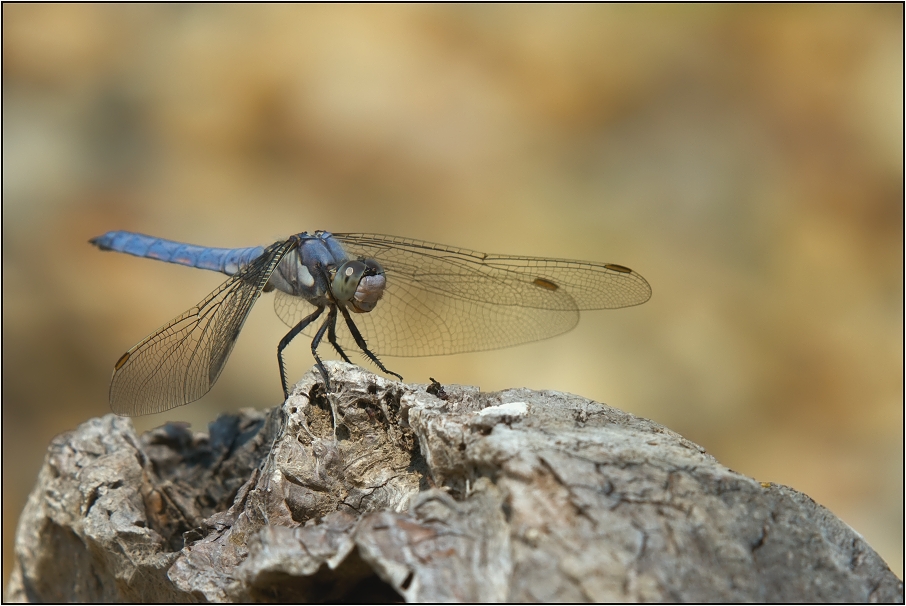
x=619 y=268
x=121 y=361
x=544 y=283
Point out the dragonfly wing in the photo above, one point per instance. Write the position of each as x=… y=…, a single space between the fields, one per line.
x=182 y=360
x=502 y=279
x=444 y=300
x=412 y=321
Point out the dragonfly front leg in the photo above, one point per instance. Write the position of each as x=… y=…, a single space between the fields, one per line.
x=360 y=341
x=332 y=333
x=292 y=335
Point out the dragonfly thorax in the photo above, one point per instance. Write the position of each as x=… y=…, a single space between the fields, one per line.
x=308 y=270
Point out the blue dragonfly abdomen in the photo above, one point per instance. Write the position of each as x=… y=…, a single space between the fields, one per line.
x=225 y=260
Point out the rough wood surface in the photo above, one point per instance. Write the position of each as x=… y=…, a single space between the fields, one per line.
x=429 y=493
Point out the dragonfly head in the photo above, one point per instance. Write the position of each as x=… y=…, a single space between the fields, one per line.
x=359 y=284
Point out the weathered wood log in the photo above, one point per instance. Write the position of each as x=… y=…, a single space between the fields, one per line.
x=386 y=490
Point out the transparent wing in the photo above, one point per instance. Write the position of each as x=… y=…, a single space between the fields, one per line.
x=444 y=300
x=181 y=361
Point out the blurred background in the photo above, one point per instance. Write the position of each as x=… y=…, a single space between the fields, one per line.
x=747 y=160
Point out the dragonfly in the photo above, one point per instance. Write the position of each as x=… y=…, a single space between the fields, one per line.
x=396 y=297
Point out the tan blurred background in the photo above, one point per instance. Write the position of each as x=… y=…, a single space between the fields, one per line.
x=747 y=160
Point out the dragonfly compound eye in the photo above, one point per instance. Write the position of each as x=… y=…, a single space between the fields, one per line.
x=370 y=288
x=346 y=280
x=360 y=284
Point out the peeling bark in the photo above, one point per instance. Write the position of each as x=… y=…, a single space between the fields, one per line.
x=429 y=493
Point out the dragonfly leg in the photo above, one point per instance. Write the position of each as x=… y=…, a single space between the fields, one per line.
x=332 y=333
x=289 y=337
x=360 y=341
x=314 y=352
